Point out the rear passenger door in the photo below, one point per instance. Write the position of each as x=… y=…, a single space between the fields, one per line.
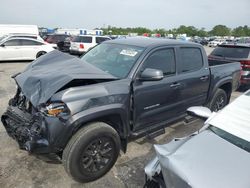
x=29 y=49
x=194 y=75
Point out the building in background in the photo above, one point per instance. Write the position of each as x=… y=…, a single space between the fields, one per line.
x=6 y=29
x=79 y=31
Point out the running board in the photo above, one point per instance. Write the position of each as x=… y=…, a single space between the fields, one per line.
x=156 y=133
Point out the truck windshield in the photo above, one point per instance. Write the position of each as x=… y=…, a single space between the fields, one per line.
x=116 y=59
x=241 y=143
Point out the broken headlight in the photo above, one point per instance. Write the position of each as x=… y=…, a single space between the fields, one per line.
x=56 y=109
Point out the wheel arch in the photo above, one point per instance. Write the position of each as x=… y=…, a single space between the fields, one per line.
x=226 y=85
x=115 y=117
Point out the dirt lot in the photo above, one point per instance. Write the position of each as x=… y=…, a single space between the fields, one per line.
x=19 y=169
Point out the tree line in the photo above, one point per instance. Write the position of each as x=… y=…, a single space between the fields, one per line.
x=191 y=31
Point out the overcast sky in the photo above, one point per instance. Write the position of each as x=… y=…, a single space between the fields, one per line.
x=152 y=14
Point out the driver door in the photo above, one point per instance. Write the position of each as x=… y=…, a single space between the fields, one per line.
x=10 y=50
x=157 y=101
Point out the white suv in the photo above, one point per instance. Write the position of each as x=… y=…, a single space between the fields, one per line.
x=215 y=42
x=82 y=43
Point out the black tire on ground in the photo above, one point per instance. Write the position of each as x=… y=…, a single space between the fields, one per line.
x=219 y=100
x=91 y=152
x=40 y=54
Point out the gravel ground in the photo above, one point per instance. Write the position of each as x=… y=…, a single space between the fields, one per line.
x=20 y=169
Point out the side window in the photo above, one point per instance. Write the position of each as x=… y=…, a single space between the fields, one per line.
x=191 y=60
x=101 y=39
x=30 y=43
x=163 y=60
x=13 y=42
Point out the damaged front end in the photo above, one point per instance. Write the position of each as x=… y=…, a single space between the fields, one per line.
x=26 y=125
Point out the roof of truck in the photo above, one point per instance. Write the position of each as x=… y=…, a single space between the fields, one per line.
x=147 y=42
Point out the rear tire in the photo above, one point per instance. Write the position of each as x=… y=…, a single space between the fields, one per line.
x=39 y=54
x=219 y=100
x=91 y=152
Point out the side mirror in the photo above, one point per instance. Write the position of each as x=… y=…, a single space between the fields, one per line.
x=2 y=45
x=200 y=112
x=151 y=75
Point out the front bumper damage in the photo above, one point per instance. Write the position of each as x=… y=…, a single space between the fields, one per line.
x=34 y=132
x=29 y=131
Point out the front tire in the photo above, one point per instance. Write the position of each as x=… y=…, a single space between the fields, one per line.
x=219 y=100
x=91 y=152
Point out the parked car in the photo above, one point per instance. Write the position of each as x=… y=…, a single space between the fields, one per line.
x=216 y=156
x=201 y=41
x=215 y=42
x=65 y=45
x=235 y=52
x=86 y=109
x=229 y=41
x=55 y=39
x=20 y=48
x=26 y=35
x=82 y=43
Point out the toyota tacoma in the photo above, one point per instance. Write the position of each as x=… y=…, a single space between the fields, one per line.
x=86 y=110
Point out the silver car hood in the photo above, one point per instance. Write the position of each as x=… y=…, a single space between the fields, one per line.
x=204 y=161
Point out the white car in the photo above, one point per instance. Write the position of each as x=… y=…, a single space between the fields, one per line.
x=22 y=48
x=82 y=43
x=215 y=42
x=26 y=35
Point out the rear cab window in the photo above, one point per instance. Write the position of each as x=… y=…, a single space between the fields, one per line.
x=191 y=59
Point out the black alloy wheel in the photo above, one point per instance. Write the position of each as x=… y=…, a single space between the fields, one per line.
x=91 y=152
x=97 y=154
x=219 y=101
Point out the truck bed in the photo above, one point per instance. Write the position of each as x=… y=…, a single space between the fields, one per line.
x=223 y=70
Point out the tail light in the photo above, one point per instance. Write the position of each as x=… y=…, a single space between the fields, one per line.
x=81 y=46
x=245 y=64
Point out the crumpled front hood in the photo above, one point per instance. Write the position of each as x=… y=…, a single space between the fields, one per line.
x=49 y=73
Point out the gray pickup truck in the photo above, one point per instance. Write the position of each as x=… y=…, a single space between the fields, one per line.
x=86 y=110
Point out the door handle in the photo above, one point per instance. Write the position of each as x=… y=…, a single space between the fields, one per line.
x=175 y=85
x=204 y=78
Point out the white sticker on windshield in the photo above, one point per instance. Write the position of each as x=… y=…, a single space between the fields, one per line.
x=131 y=53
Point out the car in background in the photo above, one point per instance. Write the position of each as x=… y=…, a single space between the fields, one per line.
x=65 y=45
x=21 y=48
x=201 y=41
x=215 y=42
x=26 y=35
x=235 y=52
x=218 y=155
x=229 y=41
x=56 y=39
x=82 y=43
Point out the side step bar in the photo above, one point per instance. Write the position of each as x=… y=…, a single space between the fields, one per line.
x=156 y=133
